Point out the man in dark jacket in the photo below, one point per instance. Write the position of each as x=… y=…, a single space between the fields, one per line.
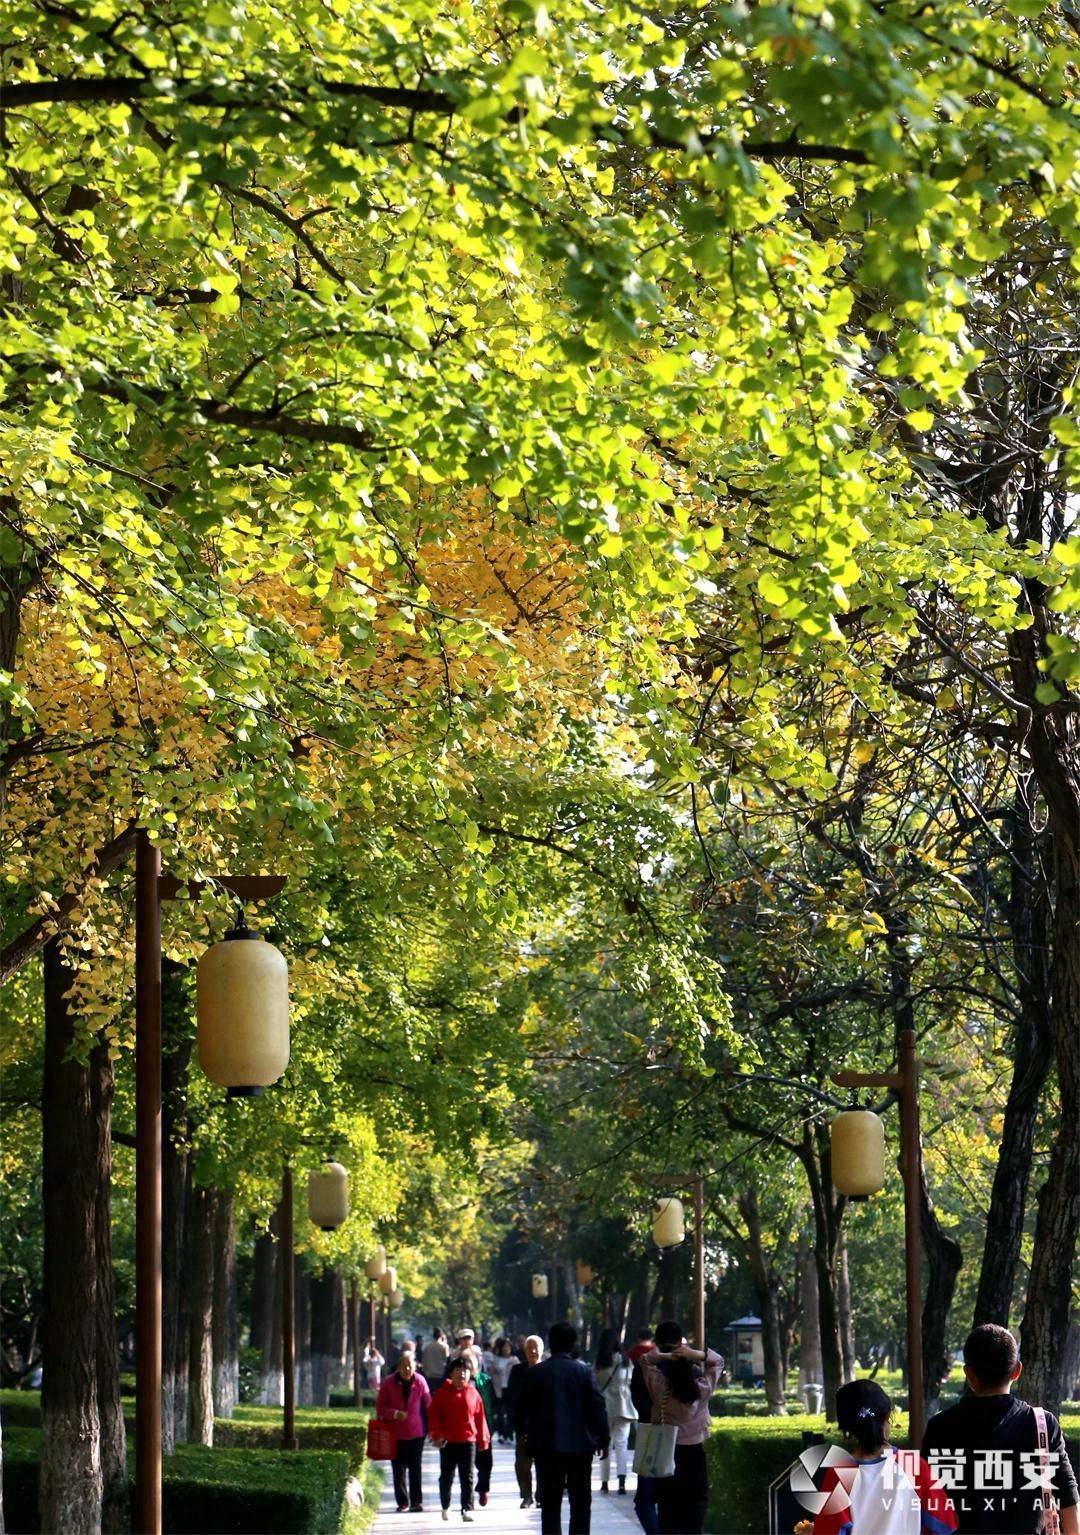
x=984 y=1449
x=561 y=1413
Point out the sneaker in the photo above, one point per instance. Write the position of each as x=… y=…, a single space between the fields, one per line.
x=466 y=1514
x=445 y=1514
x=604 y=1487
x=416 y=1508
x=526 y=1503
x=403 y=1508
x=483 y=1500
x=622 y=1484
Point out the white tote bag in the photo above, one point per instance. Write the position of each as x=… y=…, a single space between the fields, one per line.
x=654 y=1448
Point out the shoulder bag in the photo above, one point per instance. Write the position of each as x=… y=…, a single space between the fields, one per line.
x=654 y=1451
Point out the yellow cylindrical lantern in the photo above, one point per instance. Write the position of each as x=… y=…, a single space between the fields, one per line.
x=585 y=1275
x=668 y=1222
x=540 y=1286
x=388 y=1279
x=242 y=986
x=328 y=1196
x=397 y=1298
x=858 y=1153
x=375 y=1267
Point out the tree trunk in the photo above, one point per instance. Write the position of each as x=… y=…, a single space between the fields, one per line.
x=1032 y=1054
x=322 y=1336
x=816 y=1158
x=225 y=1336
x=265 y=1310
x=115 y=1499
x=339 y=1372
x=811 y=1368
x=303 y=1334
x=1045 y=1328
x=943 y=1260
x=847 y=1324
x=767 y=1291
x=74 y=1162
x=201 y=1302
x=274 y=1375
x=175 y=1055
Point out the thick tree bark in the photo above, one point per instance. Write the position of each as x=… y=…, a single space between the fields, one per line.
x=811 y=1368
x=115 y=1499
x=338 y=1373
x=200 y=1347
x=265 y=1315
x=322 y=1336
x=1032 y=1054
x=175 y=1055
x=74 y=1161
x=274 y=1374
x=226 y=1336
x=1044 y=1334
x=302 y=1294
x=816 y=1157
x=943 y=1260
x=847 y=1322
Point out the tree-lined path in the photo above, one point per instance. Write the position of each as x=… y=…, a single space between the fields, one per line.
x=611 y=1514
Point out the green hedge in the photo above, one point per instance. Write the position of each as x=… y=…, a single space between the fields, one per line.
x=227 y=1490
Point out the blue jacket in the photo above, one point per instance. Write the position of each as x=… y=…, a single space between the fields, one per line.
x=559 y=1409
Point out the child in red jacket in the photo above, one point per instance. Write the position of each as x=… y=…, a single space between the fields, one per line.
x=458 y=1428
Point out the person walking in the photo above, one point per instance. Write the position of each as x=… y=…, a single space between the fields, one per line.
x=485 y=1459
x=434 y=1358
x=645 y=1490
x=458 y=1428
x=680 y=1380
x=403 y=1400
x=613 y=1372
x=890 y=1492
x=502 y=1363
x=562 y=1415
x=373 y=1363
x=994 y=1443
x=532 y=1348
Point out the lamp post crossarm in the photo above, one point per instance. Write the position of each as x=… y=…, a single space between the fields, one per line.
x=890 y=1079
x=249 y=887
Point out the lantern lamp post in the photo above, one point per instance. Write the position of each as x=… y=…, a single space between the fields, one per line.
x=227 y=998
x=669 y=1229
x=328 y=1196
x=540 y=1287
x=375 y=1268
x=859 y=1170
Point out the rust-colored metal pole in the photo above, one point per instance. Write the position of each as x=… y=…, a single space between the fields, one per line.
x=354 y=1333
x=288 y=1312
x=147 y=1187
x=911 y=1160
x=699 y=1260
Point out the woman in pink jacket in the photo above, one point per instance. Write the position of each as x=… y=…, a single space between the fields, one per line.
x=403 y=1401
x=680 y=1381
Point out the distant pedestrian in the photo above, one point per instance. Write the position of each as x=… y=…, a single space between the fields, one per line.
x=403 y=1400
x=533 y=1350
x=991 y=1441
x=680 y=1380
x=434 y=1358
x=613 y=1372
x=562 y=1415
x=644 y=1344
x=373 y=1363
x=502 y=1364
x=458 y=1429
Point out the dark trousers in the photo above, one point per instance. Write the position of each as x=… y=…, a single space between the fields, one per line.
x=523 y=1470
x=484 y=1462
x=458 y=1458
x=645 y=1505
x=502 y=1425
x=407 y=1463
x=681 y=1499
x=558 y=1473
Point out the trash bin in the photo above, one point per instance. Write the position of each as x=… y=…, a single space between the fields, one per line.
x=814 y=1397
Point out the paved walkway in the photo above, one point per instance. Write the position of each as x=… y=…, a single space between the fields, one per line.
x=611 y=1514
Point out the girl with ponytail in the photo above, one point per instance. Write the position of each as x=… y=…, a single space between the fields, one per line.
x=889 y=1491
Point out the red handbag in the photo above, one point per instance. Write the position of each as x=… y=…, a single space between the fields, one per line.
x=381 y=1439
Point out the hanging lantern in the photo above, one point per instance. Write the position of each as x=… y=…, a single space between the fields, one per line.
x=388 y=1279
x=858 y=1153
x=375 y=1267
x=328 y=1196
x=540 y=1286
x=585 y=1274
x=397 y=1298
x=668 y=1222
x=242 y=985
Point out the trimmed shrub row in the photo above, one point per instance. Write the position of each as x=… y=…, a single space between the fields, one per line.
x=252 y=1488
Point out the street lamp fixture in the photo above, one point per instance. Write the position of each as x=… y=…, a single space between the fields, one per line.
x=540 y=1286
x=328 y=1196
x=668 y=1222
x=388 y=1279
x=242 y=986
x=858 y=1153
